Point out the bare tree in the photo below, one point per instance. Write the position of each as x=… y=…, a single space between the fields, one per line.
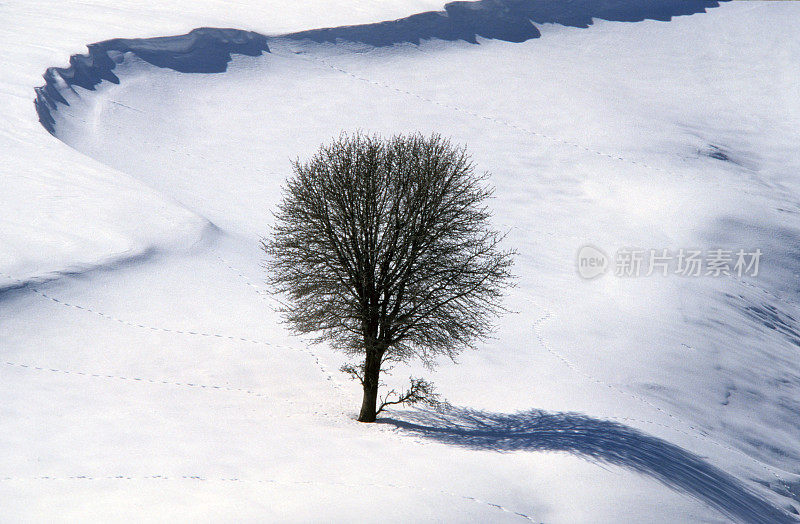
x=384 y=247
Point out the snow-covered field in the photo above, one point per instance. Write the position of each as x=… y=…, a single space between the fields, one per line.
x=144 y=372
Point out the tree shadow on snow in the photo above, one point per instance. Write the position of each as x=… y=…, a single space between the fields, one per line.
x=597 y=440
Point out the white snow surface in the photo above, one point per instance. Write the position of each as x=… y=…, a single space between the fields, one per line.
x=145 y=372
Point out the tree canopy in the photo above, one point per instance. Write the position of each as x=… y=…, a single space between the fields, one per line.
x=384 y=247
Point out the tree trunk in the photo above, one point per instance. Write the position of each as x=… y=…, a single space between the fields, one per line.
x=372 y=369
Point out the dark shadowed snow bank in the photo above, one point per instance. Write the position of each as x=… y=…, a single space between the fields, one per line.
x=208 y=50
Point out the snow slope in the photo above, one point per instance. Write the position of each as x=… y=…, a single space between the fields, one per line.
x=145 y=372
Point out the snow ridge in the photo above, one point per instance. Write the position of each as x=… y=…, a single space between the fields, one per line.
x=203 y=50
x=208 y=50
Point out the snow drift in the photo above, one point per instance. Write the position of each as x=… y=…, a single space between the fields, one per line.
x=208 y=50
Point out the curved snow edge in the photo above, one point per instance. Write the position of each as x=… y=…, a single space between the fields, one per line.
x=208 y=50
x=203 y=50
